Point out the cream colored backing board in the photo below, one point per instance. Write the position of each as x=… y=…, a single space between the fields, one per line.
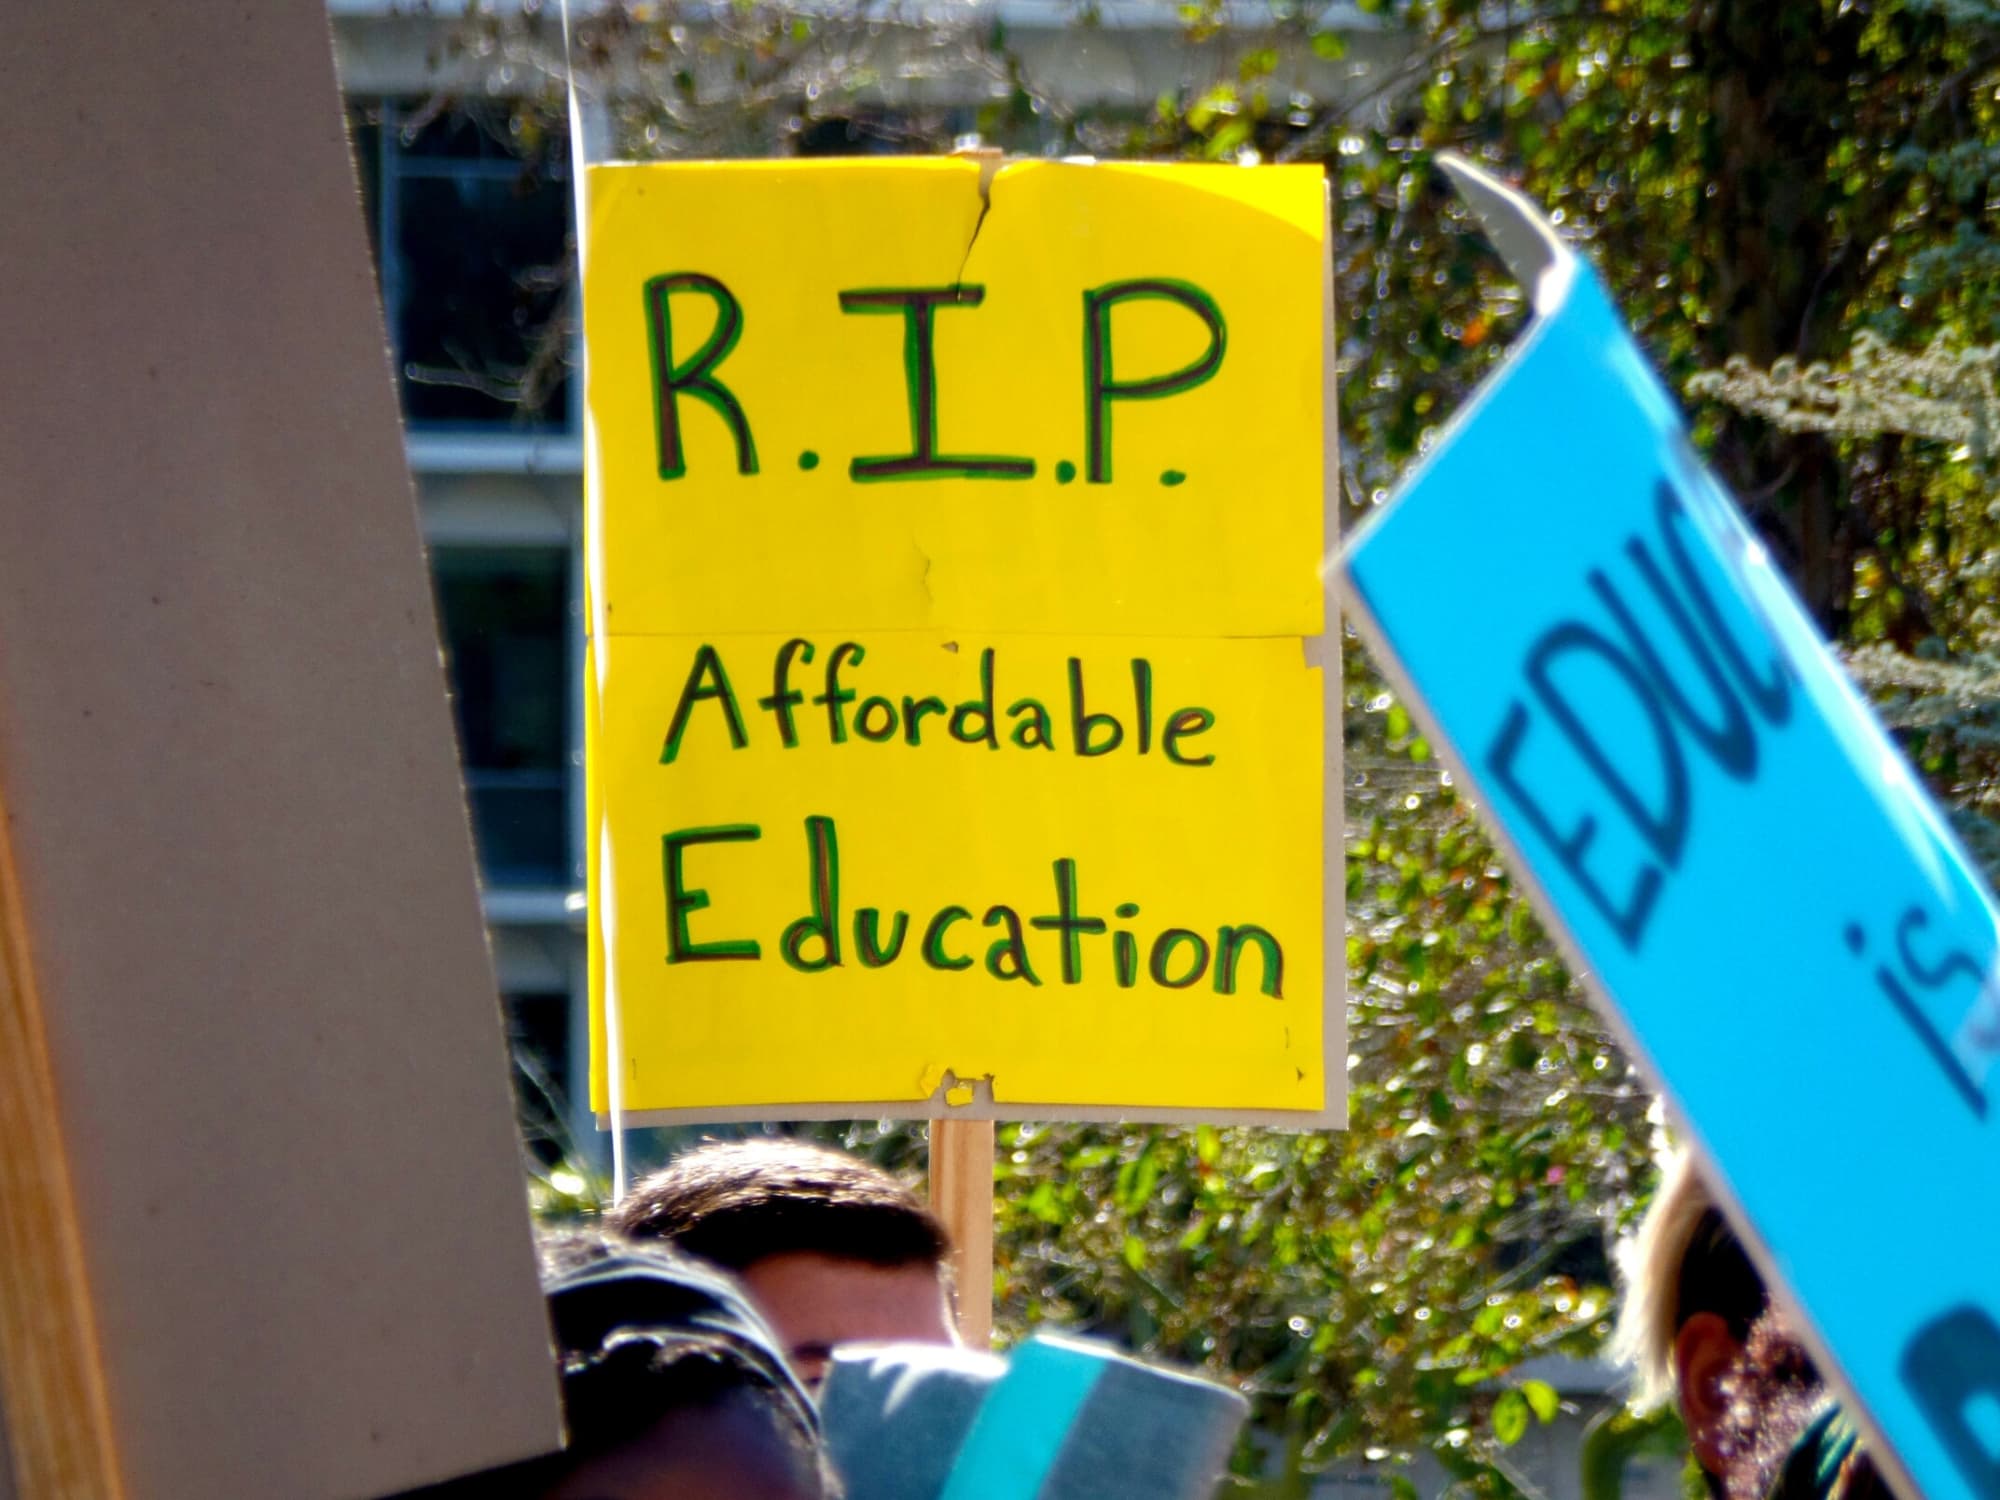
x=248 y=917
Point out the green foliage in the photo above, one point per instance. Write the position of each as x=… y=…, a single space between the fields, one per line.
x=1943 y=394
x=1617 y=1437
x=1781 y=193
x=747 y=78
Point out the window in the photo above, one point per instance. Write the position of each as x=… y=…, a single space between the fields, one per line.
x=871 y=132
x=538 y=1040
x=470 y=212
x=504 y=612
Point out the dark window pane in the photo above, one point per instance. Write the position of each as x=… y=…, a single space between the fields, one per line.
x=479 y=227
x=873 y=132
x=504 y=612
x=538 y=1037
x=478 y=327
x=522 y=830
x=498 y=130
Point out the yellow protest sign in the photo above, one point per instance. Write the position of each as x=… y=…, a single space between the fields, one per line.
x=954 y=564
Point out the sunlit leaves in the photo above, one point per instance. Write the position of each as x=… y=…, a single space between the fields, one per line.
x=1542 y=1399
x=1375 y=1290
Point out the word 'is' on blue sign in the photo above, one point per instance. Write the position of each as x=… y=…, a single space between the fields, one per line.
x=1730 y=846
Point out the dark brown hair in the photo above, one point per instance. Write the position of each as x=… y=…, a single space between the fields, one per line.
x=735 y=1203
x=1716 y=1276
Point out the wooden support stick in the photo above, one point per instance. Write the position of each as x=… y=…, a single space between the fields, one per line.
x=962 y=1196
x=57 y=1418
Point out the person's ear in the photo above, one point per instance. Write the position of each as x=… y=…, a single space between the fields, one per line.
x=1704 y=1352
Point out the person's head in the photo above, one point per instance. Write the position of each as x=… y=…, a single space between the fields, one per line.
x=832 y=1249
x=672 y=1385
x=1701 y=1330
x=1683 y=1268
x=673 y=1388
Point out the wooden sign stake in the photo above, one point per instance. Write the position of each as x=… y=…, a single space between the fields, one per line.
x=962 y=1150
x=962 y=1196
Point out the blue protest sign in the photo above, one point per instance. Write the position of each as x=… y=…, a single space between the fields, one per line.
x=1736 y=855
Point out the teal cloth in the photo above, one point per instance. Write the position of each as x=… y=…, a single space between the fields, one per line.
x=1024 y=1423
x=1064 y=1419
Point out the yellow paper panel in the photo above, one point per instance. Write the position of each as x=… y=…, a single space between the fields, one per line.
x=594 y=846
x=1202 y=514
x=921 y=827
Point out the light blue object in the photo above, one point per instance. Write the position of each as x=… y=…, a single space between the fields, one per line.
x=1025 y=1422
x=1736 y=855
x=1059 y=1419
